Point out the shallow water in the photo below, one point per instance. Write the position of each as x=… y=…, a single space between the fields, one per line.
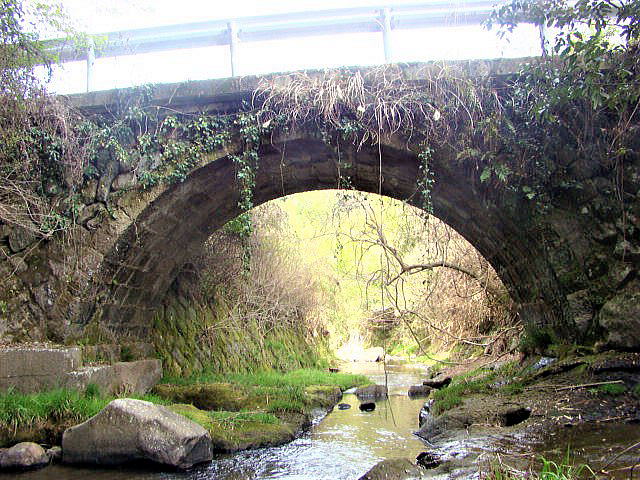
x=343 y=445
x=599 y=445
x=346 y=443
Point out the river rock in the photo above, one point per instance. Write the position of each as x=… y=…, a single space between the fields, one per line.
x=419 y=391
x=25 y=455
x=128 y=430
x=428 y=459
x=367 y=407
x=55 y=454
x=437 y=382
x=489 y=410
x=394 y=469
x=371 y=392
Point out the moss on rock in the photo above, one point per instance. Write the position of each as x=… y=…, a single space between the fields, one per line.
x=234 y=431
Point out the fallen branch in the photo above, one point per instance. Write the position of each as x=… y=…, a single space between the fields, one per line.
x=618 y=455
x=585 y=385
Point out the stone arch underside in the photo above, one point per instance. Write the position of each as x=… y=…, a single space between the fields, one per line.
x=138 y=271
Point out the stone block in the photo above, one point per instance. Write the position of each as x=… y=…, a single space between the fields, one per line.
x=121 y=377
x=29 y=369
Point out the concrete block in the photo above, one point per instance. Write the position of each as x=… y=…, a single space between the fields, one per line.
x=121 y=377
x=29 y=369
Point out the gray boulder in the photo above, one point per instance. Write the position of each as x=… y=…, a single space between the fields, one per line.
x=619 y=317
x=371 y=392
x=20 y=237
x=419 y=391
x=128 y=430
x=23 y=456
x=395 y=469
x=440 y=381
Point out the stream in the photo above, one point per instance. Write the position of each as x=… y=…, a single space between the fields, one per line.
x=345 y=444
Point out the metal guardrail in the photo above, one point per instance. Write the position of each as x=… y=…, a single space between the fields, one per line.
x=233 y=32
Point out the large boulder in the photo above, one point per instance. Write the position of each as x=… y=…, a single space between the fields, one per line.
x=419 y=391
x=619 y=317
x=23 y=456
x=128 y=430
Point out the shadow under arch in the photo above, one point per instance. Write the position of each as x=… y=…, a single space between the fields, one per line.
x=136 y=274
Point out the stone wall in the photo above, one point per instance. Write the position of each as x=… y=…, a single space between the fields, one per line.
x=191 y=337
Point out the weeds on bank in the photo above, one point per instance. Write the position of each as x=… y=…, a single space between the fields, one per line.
x=610 y=389
x=550 y=470
x=479 y=380
x=19 y=410
x=298 y=378
x=228 y=420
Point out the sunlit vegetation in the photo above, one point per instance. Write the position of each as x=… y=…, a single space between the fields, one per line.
x=388 y=274
x=24 y=411
x=479 y=380
x=297 y=378
x=547 y=470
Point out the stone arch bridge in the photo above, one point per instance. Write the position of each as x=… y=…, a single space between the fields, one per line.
x=571 y=268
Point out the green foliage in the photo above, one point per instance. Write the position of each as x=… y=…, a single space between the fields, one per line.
x=549 y=470
x=581 y=95
x=564 y=470
x=425 y=178
x=92 y=391
x=298 y=378
x=535 y=340
x=612 y=389
x=27 y=410
x=480 y=380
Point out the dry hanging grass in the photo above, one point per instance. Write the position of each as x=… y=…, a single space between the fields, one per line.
x=381 y=100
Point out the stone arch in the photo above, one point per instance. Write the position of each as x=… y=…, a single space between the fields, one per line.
x=136 y=273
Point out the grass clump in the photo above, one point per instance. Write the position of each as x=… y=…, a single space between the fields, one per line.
x=636 y=389
x=549 y=470
x=480 y=380
x=24 y=411
x=610 y=389
x=304 y=377
x=233 y=431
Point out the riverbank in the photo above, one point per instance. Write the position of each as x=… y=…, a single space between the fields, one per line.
x=239 y=411
x=244 y=411
x=511 y=412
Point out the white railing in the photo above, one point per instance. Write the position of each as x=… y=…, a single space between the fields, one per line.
x=233 y=32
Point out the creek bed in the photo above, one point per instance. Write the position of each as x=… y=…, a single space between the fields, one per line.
x=341 y=445
x=346 y=443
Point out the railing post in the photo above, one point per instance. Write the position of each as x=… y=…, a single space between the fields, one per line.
x=233 y=47
x=544 y=40
x=385 y=18
x=91 y=60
